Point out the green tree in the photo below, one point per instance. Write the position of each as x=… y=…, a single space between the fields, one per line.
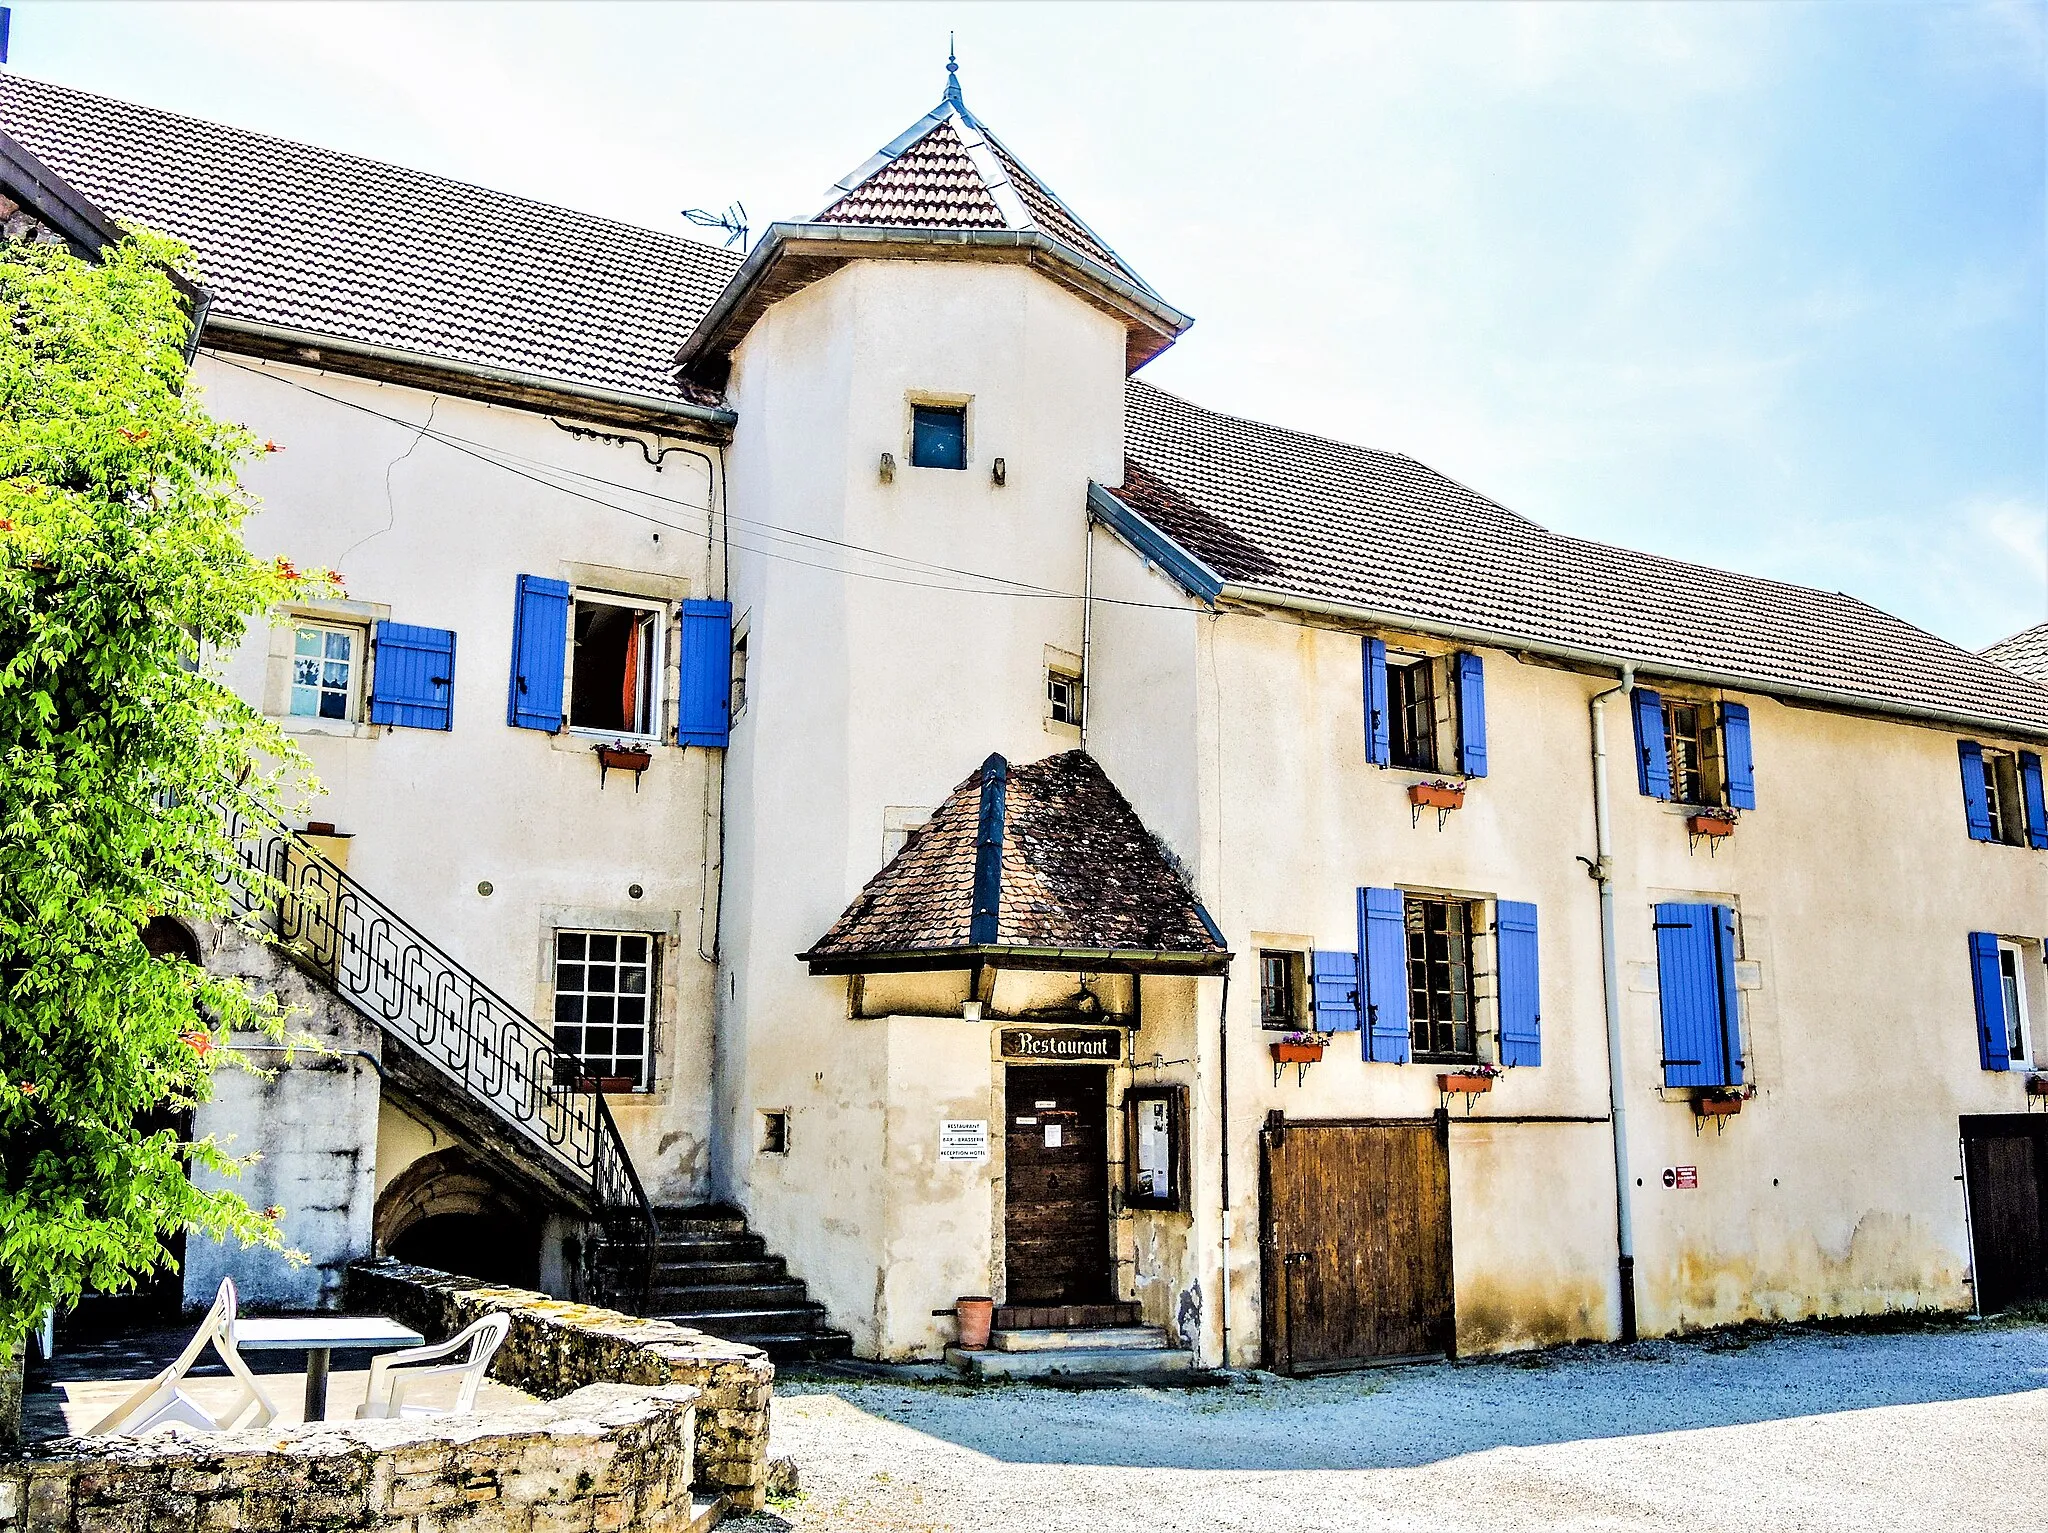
x=122 y=572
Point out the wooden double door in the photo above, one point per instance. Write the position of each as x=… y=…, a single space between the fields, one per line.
x=1056 y=1184
x=1356 y=1243
x=2005 y=1176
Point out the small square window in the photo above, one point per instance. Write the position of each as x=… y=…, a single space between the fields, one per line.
x=938 y=436
x=775 y=1132
x=603 y=985
x=325 y=660
x=1063 y=697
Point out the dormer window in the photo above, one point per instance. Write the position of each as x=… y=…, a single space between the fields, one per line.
x=938 y=436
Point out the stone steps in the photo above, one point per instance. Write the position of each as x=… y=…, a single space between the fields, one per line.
x=715 y=1275
x=1071 y=1362
x=1098 y=1338
x=1065 y=1317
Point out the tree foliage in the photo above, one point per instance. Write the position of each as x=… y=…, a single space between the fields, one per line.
x=122 y=571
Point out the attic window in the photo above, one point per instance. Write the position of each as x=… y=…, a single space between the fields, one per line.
x=938 y=436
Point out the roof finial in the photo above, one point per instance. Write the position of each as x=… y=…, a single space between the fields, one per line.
x=953 y=76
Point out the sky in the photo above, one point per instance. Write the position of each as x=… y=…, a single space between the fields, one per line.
x=1763 y=286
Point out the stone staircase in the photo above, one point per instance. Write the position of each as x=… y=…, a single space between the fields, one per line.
x=715 y=1275
x=1072 y=1340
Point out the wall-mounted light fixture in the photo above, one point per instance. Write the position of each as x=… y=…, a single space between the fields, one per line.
x=888 y=468
x=999 y=471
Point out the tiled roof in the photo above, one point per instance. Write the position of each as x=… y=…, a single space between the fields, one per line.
x=930 y=185
x=2025 y=652
x=310 y=239
x=948 y=171
x=1079 y=873
x=1311 y=517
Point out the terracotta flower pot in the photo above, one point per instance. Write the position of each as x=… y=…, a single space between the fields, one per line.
x=1717 y=1107
x=2037 y=1085
x=1297 y=1053
x=1436 y=795
x=1472 y=1083
x=1709 y=825
x=621 y=758
x=975 y=1312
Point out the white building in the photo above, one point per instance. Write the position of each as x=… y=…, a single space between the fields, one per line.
x=1031 y=759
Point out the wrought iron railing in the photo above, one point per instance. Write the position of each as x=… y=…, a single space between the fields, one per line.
x=412 y=988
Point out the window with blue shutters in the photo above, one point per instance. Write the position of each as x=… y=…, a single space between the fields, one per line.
x=1471 y=674
x=540 y=648
x=1335 y=985
x=704 y=716
x=1696 y=993
x=1994 y=1051
x=1383 y=960
x=1520 y=987
x=415 y=677
x=2002 y=797
x=1693 y=751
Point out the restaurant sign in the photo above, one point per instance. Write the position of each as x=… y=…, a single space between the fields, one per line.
x=1080 y=1045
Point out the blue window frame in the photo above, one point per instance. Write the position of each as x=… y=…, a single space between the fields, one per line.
x=938 y=436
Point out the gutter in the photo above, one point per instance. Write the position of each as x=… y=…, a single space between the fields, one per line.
x=1602 y=869
x=781 y=236
x=1154 y=546
x=709 y=415
x=1607 y=662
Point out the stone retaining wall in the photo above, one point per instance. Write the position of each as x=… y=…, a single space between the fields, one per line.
x=610 y=1458
x=556 y=1346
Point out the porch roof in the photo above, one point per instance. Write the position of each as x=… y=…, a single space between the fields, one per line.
x=1041 y=866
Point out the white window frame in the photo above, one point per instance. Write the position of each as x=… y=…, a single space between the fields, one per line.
x=649 y=998
x=359 y=665
x=663 y=614
x=2015 y=1004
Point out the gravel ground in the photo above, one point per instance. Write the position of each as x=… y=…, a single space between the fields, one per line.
x=1797 y=1429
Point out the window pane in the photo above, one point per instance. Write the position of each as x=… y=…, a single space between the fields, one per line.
x=604 y=947
x=569 y=945
x=305 y=702
x=338 y=645
x=632 y=950
x=307 y=641
x=568 y=1008
x=333 y=705
x=597 y=1011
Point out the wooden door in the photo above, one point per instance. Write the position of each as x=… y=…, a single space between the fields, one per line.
x=2005 y=1170
x=1356 y=1243
x=1056 y=1184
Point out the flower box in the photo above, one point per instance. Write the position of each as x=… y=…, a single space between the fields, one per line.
x=1459 y=1081
x=624 y=758
x=1717 y=1106
x=590 y=1083
x=2037 y=1085
x=1289 y=1052
x=1436 y=795
x=1709 y=825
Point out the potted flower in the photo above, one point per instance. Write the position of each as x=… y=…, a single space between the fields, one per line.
x=1298 y=1049
x=620 y=757
x=1711 y=821
x=2037 y=1085
x=1472 y=1079
x=1717 y=1104
x=1436 y=795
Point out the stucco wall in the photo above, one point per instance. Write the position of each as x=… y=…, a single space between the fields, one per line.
x=431 y=533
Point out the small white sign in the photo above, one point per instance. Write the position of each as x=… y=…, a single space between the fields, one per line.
x=1052 y=1136
x=964 y=1140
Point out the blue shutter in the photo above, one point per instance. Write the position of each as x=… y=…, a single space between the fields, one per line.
x=1471 y=715
x=1383 y=960
x=1696 y=992
x=2031 y=799
x=1990 y=997
x=1378 y=749
x=1334 y=980
x=705 y=717
x=415 y=685
x=1653 y=765
x=540 y=649
x=1735 y=754
x=1521 y=991
x=1976 y=802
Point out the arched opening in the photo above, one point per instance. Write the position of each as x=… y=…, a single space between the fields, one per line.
x=448 y=1210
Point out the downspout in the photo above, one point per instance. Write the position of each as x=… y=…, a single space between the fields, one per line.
x=1223 y=1142
x=1087 y=623
x=1602 y=869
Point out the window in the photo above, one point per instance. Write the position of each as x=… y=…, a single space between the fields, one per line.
x=326 y=661
x=775 y=1131
x=1440 y=1001
x=1686 y=738
x=1279 y=990
x=739 y=673
x=2002 y=797
x=1063 y=697
x=2012 y=983
x=602 y=984
x=1411 y=708
x=1702 y=1033
x=938 y=436
x=615 y=666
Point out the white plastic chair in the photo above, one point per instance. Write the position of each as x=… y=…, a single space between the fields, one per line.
x=393 y=1373
x=160 y=1403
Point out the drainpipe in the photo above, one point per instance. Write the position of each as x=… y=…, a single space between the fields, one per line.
x=1223 y=1114
x=1087 y=624
x=1602 y=869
